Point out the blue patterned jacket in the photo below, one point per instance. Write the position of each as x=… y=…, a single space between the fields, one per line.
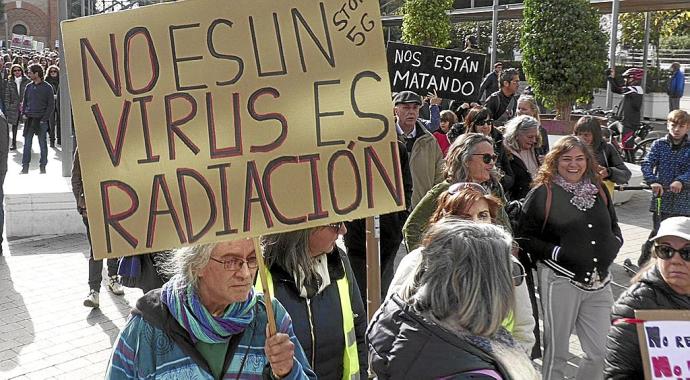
x=154 y=345
x=663 y=165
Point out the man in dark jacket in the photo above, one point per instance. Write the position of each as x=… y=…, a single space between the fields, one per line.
x=39 y=105
x=490 y=83
x=653 y=289
x=502 y=104
x=630 y=111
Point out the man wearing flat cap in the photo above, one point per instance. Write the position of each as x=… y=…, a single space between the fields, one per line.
x=425 y=157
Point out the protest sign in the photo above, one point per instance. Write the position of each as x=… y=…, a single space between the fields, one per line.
x=16 y=42
x=202 y=121
x=664 y=337
x=452 y=74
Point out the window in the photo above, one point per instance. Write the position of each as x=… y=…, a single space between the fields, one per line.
x=19 y=29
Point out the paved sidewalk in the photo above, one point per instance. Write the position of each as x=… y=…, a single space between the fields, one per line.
x=45 y=332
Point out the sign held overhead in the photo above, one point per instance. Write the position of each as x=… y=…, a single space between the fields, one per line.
x=202 y=121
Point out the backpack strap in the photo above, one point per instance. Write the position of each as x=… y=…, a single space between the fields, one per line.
x=603 y=195
x=547 y=206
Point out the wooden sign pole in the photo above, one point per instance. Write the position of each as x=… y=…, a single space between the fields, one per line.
x=264 y=283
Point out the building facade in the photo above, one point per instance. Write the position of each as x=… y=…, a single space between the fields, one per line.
x=36 y=18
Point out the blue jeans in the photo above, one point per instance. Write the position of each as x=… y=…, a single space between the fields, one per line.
x=39 y=127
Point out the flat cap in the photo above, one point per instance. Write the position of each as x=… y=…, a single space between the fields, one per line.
x=407 y=97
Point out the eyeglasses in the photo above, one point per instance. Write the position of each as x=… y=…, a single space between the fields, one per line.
x=336 y=226
x=52 y=72
x=235 y=264
x=456 y=187
x=517 y=272
x=664 y=252
x=484 y=122
x=17 y=71
x=487 y=157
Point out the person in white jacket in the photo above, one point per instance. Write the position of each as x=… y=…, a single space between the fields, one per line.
x=471 y=201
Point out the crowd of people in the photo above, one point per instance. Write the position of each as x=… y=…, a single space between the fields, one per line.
x=497 y=222
x=28 y=96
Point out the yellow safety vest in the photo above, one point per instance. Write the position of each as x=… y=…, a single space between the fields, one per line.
x=350 y=356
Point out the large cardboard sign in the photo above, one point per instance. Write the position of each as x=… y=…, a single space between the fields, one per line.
x=664 y=343
x=451 y=73
x=207 y=120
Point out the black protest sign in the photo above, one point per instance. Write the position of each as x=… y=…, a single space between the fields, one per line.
x=452 y=74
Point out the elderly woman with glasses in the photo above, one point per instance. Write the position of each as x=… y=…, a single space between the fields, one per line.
x=450 y=324
x=207 y=322
x=470 y=158
x=664 y=283
x=470 y=201
x=14 y=93
x=313 y=279
x=569 y=226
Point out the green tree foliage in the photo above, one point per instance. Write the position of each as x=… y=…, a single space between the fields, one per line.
x=508 y=36
x=663 y=24
x=564 y=50
x=426 y=22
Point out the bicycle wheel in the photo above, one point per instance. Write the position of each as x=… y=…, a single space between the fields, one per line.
x=641 y=149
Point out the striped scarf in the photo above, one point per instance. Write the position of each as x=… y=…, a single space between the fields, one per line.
x=185 y=306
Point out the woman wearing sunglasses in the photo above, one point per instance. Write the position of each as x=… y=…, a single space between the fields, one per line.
x=470 y=158
x=664 y=283
x=14 y=93
x=313 y=279
x=470 y=201
x=569 y=226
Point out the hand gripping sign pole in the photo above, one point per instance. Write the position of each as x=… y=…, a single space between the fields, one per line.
x=264 y=283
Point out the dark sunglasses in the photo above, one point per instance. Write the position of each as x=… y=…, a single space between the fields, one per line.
x=484 y=122
x=456 y=187
x=17 y=71
x=664 y=252
x=487 y=158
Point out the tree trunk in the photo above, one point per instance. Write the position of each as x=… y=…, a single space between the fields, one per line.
x=563 y=109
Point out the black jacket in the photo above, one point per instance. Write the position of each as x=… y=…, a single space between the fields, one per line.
x=623 y=359
x=516 y=180
x=403 y=345
x=498 y=105
x=575 y=244
x=324 y=343
x=607 y=156
x=631 y=109
x=489 y=85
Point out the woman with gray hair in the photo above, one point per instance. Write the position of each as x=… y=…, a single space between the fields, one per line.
x=207 y=322
x=313 y=279
x=520 y=142
x=451 y=324
x=471 y=158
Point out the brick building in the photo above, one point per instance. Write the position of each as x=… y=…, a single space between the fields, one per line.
x=37 y=18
